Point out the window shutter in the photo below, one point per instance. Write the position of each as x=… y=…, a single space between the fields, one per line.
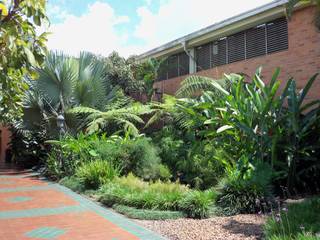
x=277 y=35
x=203 y=57
x=236 y=47
x=173 y=65
x=183 y=64
x=256 y=41
x=219 y=53
x=162 y=72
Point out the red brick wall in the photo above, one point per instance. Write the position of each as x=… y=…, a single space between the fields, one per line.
x=5 y=139
x=300 y=61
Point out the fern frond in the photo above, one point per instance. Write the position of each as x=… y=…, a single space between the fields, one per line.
x=195 y=85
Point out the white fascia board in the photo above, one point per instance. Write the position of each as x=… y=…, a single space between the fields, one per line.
x=255 y=16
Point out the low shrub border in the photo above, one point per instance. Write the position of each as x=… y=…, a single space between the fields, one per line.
x=165 y=196
x=145 y=214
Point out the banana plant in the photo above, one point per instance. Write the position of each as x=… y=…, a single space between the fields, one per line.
x=300 y=122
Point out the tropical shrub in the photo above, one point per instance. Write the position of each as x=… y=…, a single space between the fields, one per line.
x=26 y=147
x=191 y=161
x=246 y=190
x=96 y=173
x=254 y=120
x=298 y=221
x=136 y=155
x=67 y=154
x=197 y=204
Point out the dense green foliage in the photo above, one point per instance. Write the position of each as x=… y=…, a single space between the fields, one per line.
x=247 y=194
x=146 y=214
x=299 y=221
x=131 y=191
x=96 y=173
x=136 y=155
x=65 y=83
x=73 y=183
x=22 y=48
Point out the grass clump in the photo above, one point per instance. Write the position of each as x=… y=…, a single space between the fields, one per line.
x=73 y=183
x=300 y=221
x=95 y=173
x=145 y=214
x=164 y=196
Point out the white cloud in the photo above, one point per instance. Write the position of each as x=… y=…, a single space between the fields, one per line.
x=176 y=18
x=94 y=31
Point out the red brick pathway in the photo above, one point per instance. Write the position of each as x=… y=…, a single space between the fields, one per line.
x=32 y=209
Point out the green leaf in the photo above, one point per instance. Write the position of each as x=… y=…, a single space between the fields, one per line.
x=30 y=57
x=224 y=128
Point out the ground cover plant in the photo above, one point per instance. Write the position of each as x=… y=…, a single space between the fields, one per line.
x=298 y=221
x=133 y=192
x=146 y=214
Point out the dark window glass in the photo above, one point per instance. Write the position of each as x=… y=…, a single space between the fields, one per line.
x=173 y=66
x=236 y=47
x=183 y=64
x=277 y=35
x=219 y=53
x=162 y=73
x=256 y=41
x=203 y=57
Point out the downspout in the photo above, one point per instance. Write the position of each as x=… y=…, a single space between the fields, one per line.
x=185 y=49
x=192 y=60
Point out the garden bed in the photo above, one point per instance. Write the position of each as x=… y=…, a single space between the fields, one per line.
x=240 y=227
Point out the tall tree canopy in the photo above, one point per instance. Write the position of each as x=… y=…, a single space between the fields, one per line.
x=21 y=49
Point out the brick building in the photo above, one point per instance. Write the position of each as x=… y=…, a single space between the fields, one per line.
x=4 y=142
x=260 y=37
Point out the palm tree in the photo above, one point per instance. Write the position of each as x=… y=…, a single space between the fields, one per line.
x=64 y=83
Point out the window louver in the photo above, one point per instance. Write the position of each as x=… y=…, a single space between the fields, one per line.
x=277 y=32
x=261 y=40
x=162 y=72
x=173 y=66
x=236 y=47
x=219 y=53
x=203 y=57
x=256 y=42
x=183 y=64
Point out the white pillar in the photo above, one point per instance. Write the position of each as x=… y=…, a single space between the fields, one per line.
x=192 y=62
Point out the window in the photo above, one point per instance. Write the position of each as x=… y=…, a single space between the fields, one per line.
x=256 y=42
x=162 y=73
x=183 y=64
x=203 y=57
x=173 y=66
x=277 y=35
x=219 y=53
x=236 y=47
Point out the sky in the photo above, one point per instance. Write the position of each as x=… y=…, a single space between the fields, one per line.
x=132 y=27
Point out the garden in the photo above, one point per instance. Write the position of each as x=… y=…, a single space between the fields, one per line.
x=218 y=150
x=238 y=147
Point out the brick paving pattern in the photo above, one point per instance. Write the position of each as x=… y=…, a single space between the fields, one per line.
x=33 y=209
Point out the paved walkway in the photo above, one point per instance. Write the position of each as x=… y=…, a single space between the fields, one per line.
x=35 y=209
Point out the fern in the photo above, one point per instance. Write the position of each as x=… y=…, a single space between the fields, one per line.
x=195 y=85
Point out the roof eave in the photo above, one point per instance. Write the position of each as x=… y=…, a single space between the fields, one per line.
x=247 y=19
